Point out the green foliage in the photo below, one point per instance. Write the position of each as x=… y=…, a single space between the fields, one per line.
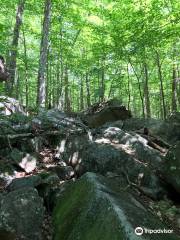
x=103 y=45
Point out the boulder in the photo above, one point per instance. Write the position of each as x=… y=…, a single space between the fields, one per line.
x=173 y=130
x=34 y=181
x=168 y=130
x=172 y=167
x=96 y=208
x=21 y=214
x=63 y=172
x=114 y=150
x=24 y=160
x=105 y=112
x=24 y=182
x=56 y=119
x=8 y=106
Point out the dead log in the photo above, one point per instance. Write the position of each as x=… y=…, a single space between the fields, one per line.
x=154 y=141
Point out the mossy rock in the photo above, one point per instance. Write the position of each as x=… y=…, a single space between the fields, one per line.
x=91 y=209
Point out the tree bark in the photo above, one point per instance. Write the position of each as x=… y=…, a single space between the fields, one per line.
x=41 y=94
x=174 y=89
x=67 y=103
x=146 y=92
x=81 y=94
x=129 y=92
x=102 y=89
x=178 y=84
x=88 y=90
x=14 y=47
x=161 y=84
x=60 y=70
x=139 y=87
x=26 y=68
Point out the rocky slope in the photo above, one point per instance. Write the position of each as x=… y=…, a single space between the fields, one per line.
x=93 y=175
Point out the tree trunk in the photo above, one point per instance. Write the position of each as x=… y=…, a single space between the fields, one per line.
x=102 y=88
x=146 y=92
x=67 y=104
x=139 y=87
x=41 y=94
x=88 y=90
x=161 y=84
x=14 y=47
x=178 y=84
x=81 y=94
x=26 y=68
x=17 y=92
x=60 y=69
x=174 y=89
x=129 y=92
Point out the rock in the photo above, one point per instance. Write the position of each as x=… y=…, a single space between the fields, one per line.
x=25 y=182
x=114 y=150
x=96 y=208
x=174 y=116
x=134 y=124
x=135 y=145
x=34 y=181
x=26 y=161
x=8 y=106
x=49 y=181
x=63 y=172
x=56 y=119
x=5 y=235
x=49 y=178
x=101 y=113
x=6 y=128
x=21 y=213
x=172 y=167
x=173 y=130
x=168 y=130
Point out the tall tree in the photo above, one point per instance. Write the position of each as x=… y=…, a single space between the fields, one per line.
x=174 y=88
x=14 y=47
x=146 y=92
x=41 y=94
x=162 y=97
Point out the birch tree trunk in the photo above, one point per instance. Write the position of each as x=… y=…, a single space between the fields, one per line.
x=41 y=94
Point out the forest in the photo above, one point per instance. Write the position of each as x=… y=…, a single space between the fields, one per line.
x=71 y=54
x=89 y=119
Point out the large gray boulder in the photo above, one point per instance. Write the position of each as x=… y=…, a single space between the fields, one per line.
x=24 y=160
x=95 y=208
x=21 y=214
x=34 y=181
x=104 y=112
x=8 y=106
x=172 y=167
x=168 y=130
x=113 y=150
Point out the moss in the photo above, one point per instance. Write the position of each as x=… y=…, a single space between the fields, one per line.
x=85 y=215
x=68 y=209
